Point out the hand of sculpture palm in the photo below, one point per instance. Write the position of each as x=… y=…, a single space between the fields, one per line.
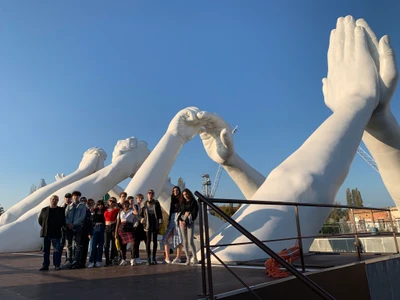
x=385 y=61
x=88 y=162
x=185 y=124
x=217 y=138
x=352 y=80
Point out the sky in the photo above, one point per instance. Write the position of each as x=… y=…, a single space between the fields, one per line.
x=79 y=74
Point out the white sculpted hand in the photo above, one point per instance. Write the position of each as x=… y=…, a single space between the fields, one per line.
x=217 y=137
x=385 y=61
x=352 y=80
x=185 y=124
x=93 y=158
x=131 y=150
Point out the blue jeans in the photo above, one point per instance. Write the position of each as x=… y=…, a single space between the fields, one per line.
x=74 y=235
x=56 y=242
x=97 y=243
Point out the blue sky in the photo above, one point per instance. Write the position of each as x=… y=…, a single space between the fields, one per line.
x=77 y=74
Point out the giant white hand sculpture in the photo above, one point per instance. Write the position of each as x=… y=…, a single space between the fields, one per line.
x=382 y=134
x=315 y=172
x=93 y=160
x=128 y=155
x=217 y=139
x=154 y=172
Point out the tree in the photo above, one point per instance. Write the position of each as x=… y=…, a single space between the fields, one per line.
x=2 y=211
x=353 y=198
x=181 y=183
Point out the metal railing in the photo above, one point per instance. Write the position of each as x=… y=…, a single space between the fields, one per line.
x=206 y=252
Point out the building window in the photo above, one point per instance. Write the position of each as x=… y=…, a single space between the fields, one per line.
x=381 y=223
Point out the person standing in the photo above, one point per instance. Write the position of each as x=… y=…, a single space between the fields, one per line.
x=97 y=237
x=110 y=216
x=187 y=215
x=139 y=230
x=75 y=216
x=151 y=217
x=67 y=201
x=51 y=219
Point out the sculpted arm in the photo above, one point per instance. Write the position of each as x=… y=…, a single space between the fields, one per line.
x=382 y=134
x=154 y=171
x=217 y=139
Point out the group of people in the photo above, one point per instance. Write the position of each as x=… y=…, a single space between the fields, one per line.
x=86 y=226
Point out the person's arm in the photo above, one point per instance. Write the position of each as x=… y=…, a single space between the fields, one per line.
x=195 y=210
x=217 y=138
x=40 y=218
x=159 y=212
x=154 y=171
x=117 y=225
x=67 y=219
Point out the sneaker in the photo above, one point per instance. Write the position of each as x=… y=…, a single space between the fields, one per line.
x=67 y=265
x=138 y=261
x=74 y=265
x=195 y=261
x=187 y=261
x=176 y=260
x=44 y=268
x=154 y=262
x=167 y=261
x=56 y=268
x=99 y=264
x=132 y=262
x=91 y=265
x=123 y=262
x=148 y=263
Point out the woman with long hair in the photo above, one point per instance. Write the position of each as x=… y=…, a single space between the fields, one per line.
x=110 y=216
x=173 y=230
x=188 y=211
x=125 y=230
x=97 y=236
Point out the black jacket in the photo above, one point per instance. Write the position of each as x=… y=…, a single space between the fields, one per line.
x=192 y=207
x=59 y=220
x=144 y=215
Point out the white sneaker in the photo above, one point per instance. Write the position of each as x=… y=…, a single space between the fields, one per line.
x=132 y=262
x=99 y=264
x=167 y=261
x=187 y=261
x=195 y=261
x=138 y=261
x=91 y=265
x=176 y=260
x=123 y=262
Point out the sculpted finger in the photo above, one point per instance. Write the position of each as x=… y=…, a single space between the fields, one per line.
x=361 y=45
x=388 y=71
x=332 y=48
x=226 y=138
x=339 y=41
x=371 y=40
x=349 y=25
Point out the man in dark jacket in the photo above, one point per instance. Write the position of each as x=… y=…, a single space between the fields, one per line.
x=51 y=219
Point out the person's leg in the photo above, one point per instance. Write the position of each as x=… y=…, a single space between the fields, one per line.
x=57 y=252
x=185 y=242
x=148 y=241
x=166 y=237
x=46 y=254
x=123 y=251
x=70 y=235
x=154 y=237
x=78 y=246
x=137 y=243
x=190 y=232
x=84 y=249
x=99 y=249
x=107 y=240
x=94 y=242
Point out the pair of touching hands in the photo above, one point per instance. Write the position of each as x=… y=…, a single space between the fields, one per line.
x=362 y=71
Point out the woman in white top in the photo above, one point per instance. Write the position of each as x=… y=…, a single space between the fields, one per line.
x=125 y=230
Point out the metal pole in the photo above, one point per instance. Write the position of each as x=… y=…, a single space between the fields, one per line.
x=207 y=241
x=203 y=261
x=394 y=233
x=373 y=220
x=355 y=234
x=296 y=211
x=304 y=279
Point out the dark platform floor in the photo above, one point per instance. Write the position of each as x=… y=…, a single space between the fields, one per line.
x=20 y=279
